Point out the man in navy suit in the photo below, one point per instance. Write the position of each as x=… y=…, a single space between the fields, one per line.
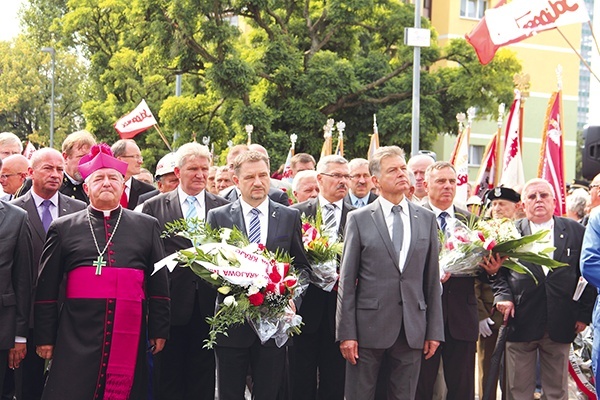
x=43 y=203
x=279 y=230
x=187 y=370
x=317 y=359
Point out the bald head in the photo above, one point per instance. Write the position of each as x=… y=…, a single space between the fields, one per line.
x=47 y=166
x=418 y=164
x=13 y=173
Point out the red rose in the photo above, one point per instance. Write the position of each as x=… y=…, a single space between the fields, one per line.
x=261 y=247
x=270 y=288
x=256 y=299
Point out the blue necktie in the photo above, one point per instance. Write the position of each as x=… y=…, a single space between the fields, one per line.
x=46 y=215
x=254 y=233
x=443 y=224
x=359 y=203
x=191 y=212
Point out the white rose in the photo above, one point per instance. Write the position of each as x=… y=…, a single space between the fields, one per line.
x=260 y=282
x=214 y=276
x=230 y=301
x=252 y=290
x=225 y=234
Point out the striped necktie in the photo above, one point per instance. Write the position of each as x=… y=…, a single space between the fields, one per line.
x=443 y=224
x=329 y=221
x=254 y=232
x=191 y=212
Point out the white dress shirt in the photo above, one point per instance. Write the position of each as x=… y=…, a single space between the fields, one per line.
x=386 y=207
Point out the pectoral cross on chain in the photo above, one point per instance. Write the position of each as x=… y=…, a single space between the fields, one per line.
x=99 y=263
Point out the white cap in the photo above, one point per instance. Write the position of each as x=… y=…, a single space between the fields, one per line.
x=474 y=200
x=165 y=165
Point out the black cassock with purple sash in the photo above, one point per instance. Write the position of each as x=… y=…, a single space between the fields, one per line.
x=101 y=330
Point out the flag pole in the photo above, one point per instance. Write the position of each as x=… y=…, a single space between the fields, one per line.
x=162 y=136
x=522 y=84
x=498 y=165
x=594 y=36
x=579 y=55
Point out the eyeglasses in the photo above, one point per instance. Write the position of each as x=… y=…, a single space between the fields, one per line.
x=543 y=196
x=136 y=157
x=337 y=176
x=358 y=176
x=6 y=176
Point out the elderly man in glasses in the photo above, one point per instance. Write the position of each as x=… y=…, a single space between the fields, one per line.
x=127 y=150
x=13 y=174
x=544 y=315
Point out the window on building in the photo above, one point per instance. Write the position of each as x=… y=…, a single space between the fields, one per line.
x=473 y=8
x=475 y=155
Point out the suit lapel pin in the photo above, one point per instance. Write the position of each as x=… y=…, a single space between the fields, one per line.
x=562 y=236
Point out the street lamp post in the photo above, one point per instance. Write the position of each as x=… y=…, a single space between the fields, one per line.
x=53 y=55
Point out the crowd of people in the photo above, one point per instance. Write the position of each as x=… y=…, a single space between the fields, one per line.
x=83 y=316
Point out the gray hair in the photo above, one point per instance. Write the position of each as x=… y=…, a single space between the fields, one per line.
x=38 y=156
x=536 y=181
x=577 y=202
x=411 y=178
x=120 y=147
x=438 y=165
x=380 y=154
x=190 y=150
x=9 y=138
x=358 y=162
x=302 y=175
x=324 y=162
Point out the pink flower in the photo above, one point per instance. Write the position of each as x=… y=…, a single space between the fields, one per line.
x=462 y=238
x=480 y=236
x=256 y=299
x=450 y=245
x=489 y=244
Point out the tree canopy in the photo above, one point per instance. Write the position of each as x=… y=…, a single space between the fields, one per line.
x=284 y=66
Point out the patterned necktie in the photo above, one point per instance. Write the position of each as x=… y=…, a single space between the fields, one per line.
x=254 y=232
x=191 y=211
x=443 y=224
x=397 y=229
x=329 y=219
x=46 y=215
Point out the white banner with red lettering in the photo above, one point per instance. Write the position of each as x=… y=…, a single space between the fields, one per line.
x=524 y=17
x=512 y=167
x=136 y=121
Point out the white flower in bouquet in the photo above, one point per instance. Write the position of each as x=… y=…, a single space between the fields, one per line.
x=229 y=301
x=253 y=290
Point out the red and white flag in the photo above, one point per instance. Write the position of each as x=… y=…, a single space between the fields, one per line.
x=29 y=150
x=511 y=22
x=287 y=168
x=460 y=159
x=512 y=167
x=552 y=159
x=374 y=143
x=135 y=122
x=487 y=171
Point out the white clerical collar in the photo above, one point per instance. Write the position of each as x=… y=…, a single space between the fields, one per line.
x=323 y=202
x=262 y=207
x=38 y=200
x=105 y=212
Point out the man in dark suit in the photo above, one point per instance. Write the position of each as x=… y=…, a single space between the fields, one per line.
x=43 y=204
x=545 y=316
x=389 y=303
x=127 y=150
x=360 y=193
x=74 y=147
x=187 y=370
x=15 y=286
x=276 y=194
x=461 y=322
x=317 y=360
x=279 y=229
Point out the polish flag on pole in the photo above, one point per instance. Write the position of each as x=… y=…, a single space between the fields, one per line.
x=135 y=122
x=487 y=171
x=511 y=22
x=552 y=157
x=512 y=167
x=460 y=160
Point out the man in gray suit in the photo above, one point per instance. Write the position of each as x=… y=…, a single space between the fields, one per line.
x=43 y=203
x=389 y=298
x=15 y=286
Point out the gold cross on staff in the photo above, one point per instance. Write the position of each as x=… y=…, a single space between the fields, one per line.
x=99 y=263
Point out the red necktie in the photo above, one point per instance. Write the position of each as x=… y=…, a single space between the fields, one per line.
x=124 y=199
